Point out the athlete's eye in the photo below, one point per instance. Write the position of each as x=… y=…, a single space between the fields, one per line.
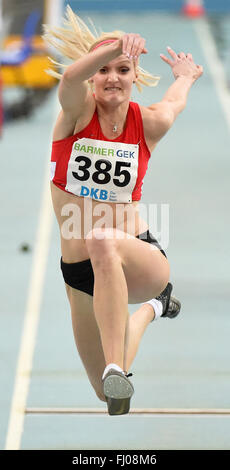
x=103 y=70
x=124 y=69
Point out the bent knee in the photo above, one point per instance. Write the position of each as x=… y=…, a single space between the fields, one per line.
x=100 y=234
x=101 y=244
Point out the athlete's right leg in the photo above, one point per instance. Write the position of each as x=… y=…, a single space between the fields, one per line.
x=87 y=337
x=126 y=270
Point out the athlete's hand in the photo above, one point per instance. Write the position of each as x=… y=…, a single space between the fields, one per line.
x=182 y=65
x=133 y=45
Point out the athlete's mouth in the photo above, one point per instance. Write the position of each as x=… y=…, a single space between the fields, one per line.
x=112 y=88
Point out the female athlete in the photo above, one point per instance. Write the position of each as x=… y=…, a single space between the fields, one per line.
x=102 y=142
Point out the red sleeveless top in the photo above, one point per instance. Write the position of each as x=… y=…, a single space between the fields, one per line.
x=133 y=134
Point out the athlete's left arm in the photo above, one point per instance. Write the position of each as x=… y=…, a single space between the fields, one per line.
x=186 y=72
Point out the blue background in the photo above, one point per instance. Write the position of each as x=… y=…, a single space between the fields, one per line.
x=211 y=6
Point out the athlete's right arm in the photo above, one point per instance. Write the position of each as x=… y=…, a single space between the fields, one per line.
x=75 y=95
x=74 y=92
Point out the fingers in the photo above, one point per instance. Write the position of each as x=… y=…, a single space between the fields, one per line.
x=182 y=55
x=200 y=69
x=125 y=40
x=189 y=57
x=172 y=53
x=133 y=46
x=182 y=64
x=166 y=59
x=175 y=56
x=140 y=49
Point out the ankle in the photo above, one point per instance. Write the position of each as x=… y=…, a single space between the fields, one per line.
x=149 y=311
x=111 y=366
x=156 y=307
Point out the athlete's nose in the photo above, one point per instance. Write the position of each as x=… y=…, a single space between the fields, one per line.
x=112 y=77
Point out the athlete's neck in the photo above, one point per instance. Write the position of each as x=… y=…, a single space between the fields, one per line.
x=113 y=116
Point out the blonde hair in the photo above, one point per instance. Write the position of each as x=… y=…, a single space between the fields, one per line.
x=76 y=40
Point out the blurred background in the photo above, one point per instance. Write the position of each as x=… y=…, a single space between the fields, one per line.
x=23 y=65
x=182 y=364
x=24 y=54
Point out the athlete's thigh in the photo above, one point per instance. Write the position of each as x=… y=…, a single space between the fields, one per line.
x=87 y=336
x=146 y=269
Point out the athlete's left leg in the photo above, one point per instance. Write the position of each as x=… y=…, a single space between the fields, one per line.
x=165 y=305
x=135 y=328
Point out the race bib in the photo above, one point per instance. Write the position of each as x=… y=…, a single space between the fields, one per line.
x=104 y=171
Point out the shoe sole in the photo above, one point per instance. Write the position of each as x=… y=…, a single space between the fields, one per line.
x=173 y=315
x=118 y=392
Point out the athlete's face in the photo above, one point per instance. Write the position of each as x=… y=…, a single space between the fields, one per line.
x=113 y=82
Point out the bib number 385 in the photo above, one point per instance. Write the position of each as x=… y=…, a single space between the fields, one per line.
x=102 y=175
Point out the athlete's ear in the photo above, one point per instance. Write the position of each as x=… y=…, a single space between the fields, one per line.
x=91 y=84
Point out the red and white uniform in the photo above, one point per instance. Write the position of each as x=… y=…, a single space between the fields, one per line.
x=88 y=164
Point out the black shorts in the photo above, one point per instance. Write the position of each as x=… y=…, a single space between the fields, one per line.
x=80 y=275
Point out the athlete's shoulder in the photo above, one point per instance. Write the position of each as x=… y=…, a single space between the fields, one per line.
x=156 y=121
x=66 y=126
